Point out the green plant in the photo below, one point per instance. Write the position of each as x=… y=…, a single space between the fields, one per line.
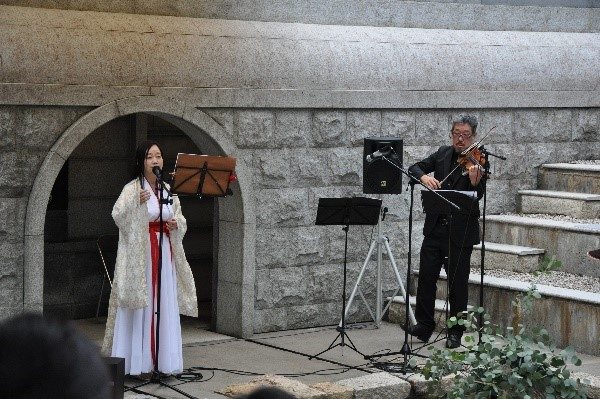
x=523 y=305
x=504 y=364
x=547 y=265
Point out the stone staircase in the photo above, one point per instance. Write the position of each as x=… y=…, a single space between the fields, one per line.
x=551 y=223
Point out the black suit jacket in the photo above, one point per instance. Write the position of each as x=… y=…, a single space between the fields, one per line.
x=465 y=227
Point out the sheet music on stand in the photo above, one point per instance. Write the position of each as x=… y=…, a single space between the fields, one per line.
x=203 y=175
x=466 y=200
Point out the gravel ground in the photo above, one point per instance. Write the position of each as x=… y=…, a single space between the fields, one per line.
x=560 y=218
x=553 y=278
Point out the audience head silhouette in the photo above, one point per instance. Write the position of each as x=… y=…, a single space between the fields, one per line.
x=42 y=358
x=270 y=393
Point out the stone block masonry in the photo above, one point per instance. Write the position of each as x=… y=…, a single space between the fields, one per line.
x=300 y=155
x=298 y=277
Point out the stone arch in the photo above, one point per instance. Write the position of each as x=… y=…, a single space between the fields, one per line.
x=234 y=231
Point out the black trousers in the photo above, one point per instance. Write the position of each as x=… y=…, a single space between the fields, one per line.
x=434 y=255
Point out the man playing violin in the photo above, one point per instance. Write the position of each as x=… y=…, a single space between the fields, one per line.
x=442 y=238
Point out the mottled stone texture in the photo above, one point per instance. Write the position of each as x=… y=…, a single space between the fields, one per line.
x=26 y=135
x=298 y=156
x=539 y=15
x=302 y=155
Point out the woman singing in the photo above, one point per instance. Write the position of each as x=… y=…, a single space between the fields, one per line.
x=131 y=327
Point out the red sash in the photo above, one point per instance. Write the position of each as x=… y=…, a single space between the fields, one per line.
x=154 y=228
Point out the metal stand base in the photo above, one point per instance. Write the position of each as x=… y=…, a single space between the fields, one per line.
x=381 y=243
x=343 y=336
x=156 y=378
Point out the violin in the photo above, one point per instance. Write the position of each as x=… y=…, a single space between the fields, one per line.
x=474 y=157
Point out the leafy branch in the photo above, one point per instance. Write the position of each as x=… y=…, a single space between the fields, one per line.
x=506 y=364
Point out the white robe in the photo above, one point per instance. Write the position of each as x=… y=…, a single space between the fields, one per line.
x=131 y=303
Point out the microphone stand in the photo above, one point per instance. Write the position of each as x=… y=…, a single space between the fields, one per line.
x=157 y=377
x=406 y=350
x=486 y=173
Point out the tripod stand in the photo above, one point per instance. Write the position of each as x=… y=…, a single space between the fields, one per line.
x=346 y=211
x=380 y=244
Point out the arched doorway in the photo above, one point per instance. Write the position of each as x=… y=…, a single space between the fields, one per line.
x=233 y=298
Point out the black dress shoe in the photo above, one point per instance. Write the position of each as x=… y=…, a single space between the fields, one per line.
x=453 y=340
x=420 y=332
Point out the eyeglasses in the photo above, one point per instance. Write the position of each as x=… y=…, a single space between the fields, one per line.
x=463 y=135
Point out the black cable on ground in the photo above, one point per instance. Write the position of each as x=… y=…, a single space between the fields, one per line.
x=309 y=356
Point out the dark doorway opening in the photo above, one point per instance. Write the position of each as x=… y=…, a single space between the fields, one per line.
x=79 y=211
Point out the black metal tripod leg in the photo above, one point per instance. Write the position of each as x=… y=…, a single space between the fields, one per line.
x=161 y=383
x=331 y=346
x=351 y=345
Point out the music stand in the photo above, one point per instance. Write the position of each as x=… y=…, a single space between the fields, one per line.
x=203 y=175
x=432 y=204
x=346 y=212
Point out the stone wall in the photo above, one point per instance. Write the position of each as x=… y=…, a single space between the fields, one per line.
x=299 y=156
x=523 y=15
x=213 y=63
x=26 y=135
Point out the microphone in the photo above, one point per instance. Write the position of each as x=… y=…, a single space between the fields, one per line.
x=378 y=154
x=156 y=170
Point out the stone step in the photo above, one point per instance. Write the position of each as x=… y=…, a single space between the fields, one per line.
x=442 y=286
x=569 y=242
x=508 y=257
x=571 y=316
x=580 y=178
x=577 y=205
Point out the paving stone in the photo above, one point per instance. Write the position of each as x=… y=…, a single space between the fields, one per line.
x=300 y=390
x=334 y=391
x=378 y=385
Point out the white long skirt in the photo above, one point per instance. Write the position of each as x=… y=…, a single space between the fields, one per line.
x=132 y=337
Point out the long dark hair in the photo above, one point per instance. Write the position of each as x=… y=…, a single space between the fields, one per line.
x=140 y=157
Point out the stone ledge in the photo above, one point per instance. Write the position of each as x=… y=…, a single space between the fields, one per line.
x=510 y=249
x=561 y=194
x=572 y=167
x=242 y=97
x=378 y=385
x=544 y=290
x=525 y=15
x=586 y=228
x=334 y=391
